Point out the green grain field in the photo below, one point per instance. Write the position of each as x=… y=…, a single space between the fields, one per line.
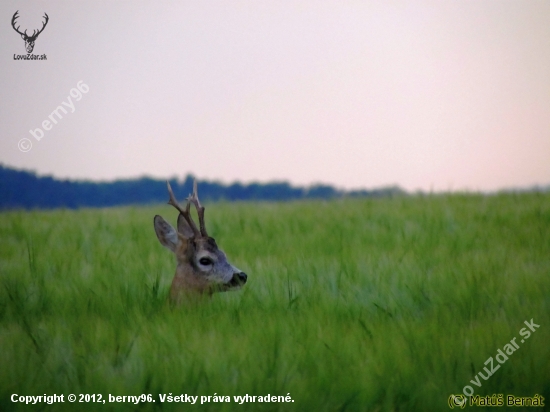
x=351 y=305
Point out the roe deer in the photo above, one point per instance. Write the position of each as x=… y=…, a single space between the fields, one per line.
x=202 y=268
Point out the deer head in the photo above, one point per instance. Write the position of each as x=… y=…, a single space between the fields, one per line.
x=202 y=268
x=29 y=40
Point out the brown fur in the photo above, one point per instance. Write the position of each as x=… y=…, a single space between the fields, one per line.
x=202 y=268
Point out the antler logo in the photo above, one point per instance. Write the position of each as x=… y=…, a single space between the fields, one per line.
x=29 y=40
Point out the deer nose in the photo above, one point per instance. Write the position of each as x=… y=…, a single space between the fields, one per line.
x=242 y=277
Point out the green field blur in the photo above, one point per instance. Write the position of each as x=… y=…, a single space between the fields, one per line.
x=356 y=304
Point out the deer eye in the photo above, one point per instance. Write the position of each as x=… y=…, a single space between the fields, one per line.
x=205 y=261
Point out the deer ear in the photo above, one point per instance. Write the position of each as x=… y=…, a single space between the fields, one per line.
x=183 y=227
x=166 y=234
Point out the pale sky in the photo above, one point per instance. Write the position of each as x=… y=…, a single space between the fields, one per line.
x=431 y=95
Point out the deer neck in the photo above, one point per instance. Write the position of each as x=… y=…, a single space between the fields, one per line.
x=186 y=283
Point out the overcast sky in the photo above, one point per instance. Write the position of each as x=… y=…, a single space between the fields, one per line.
x=432 y=95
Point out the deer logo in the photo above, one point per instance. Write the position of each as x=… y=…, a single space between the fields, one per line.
x=29 y=40
x=202 y=268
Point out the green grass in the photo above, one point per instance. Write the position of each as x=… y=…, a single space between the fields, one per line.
x=379 y=305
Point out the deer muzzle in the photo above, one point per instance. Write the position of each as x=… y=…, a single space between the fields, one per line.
x=238 y=279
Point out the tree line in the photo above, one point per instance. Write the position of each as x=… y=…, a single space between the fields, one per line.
x=24 y=189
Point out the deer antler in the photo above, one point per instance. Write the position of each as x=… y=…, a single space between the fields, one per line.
x=194 y=198
x=34 y=33
x=43 y=26
x=15 y=17
x=185 y=212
